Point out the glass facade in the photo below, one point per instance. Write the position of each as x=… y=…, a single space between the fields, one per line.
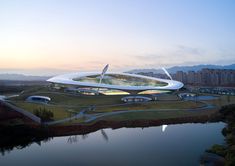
x=123 y=80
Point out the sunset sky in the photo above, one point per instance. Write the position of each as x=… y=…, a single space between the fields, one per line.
x=78 y=35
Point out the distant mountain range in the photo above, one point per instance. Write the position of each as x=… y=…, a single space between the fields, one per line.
x=21 y=77
x=183 y=68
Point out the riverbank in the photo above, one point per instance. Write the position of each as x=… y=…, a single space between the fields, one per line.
x=102 y=124
x=63 y=130
x=225 y=153
x=43 y=131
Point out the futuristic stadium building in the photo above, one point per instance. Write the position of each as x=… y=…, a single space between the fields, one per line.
x=130 y=83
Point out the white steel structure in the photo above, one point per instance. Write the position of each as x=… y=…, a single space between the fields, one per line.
x=131 y=83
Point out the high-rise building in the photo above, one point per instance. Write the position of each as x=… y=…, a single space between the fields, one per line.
x=204 y=77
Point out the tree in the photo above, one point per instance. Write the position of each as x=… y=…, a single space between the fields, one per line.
x=44 y=114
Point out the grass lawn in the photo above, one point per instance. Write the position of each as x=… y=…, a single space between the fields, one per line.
x=148 y=115
x=153 y=105
x=70 y=99
x=156 y=115
x=63 y=104
x=64 y=112
x=59 y=112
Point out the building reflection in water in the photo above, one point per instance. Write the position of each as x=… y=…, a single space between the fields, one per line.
x=164 y=128
x=105 y=136
x=73 y=139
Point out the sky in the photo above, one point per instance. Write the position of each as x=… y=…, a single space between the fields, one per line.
x=46 y=36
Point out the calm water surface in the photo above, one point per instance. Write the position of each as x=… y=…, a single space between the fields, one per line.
x=178 y=145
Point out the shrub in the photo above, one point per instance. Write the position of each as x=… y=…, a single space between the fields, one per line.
x=228 y=112
x=218 y=149
x=44 y=114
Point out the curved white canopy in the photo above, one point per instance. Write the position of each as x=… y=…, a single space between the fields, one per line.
x=39 y=97
x=68 y=79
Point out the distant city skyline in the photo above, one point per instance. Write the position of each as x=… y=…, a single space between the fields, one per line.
x=43 y=36
x=203 y=77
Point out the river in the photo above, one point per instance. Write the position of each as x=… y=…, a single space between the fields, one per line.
x=180 y=144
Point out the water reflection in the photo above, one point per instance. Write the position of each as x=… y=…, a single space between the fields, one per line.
x=183 y=144
x=8 y=143
x=164 y=128
x=105 y=136
x=84 y=136
x=73 y=139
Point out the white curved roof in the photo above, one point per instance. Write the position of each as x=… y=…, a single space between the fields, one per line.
x=39 y=97
x=69 y=80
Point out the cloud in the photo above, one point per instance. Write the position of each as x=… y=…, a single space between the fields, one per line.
x=177 y=52
x=182 y=50
x=177 y=55
x=148 y=57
